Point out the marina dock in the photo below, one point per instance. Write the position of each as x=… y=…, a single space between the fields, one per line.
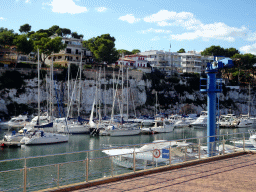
x=227 y=173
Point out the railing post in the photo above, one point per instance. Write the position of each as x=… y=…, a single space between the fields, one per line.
x=87 y=167
x=243 y=142
x=223 y=145
x=211 y=149
x=170 y=155
x=185 y=156
x=134 y=164
x=25 y=175
x=112 y=166
x=58 y=176
x=199 y=149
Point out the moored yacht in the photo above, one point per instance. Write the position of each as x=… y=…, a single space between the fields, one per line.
x=41 y=137
x=201 y=121
x=160 y=126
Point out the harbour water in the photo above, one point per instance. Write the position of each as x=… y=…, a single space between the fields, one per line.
x=41 y=176
x=85 y=142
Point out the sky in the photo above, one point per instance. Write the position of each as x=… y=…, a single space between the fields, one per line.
x=167 y=25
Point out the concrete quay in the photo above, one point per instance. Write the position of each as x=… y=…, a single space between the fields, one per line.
x=234 y=172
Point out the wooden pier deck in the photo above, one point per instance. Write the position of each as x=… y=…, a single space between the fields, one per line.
x=231 y=173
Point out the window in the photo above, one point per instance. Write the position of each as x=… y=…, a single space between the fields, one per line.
x=59 y=57
x=68 y=50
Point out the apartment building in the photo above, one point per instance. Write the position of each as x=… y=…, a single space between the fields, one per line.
x=134 y=61
x=71 y=54
x=171 y=62
x=191 y=62
x=162 y=61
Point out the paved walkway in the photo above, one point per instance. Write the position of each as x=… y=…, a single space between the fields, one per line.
x=232 y=174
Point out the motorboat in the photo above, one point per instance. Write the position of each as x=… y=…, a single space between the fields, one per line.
x=201 y=121
x=160 y=126
x=228 y=121
x=183 y=122
x=150 y=155
x=15 y=136
x=41 y=137
x=16 y=122
x=244 y=121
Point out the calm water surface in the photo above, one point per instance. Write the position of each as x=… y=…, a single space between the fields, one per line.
x=85 y=142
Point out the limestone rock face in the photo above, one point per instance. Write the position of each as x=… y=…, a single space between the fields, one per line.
x=104 y=92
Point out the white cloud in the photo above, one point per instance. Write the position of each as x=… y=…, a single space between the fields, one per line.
x=101 y=9
x=129 y=18
x=196 y=29
x=249 y=49
x=164 y=15
x=66 y=6
x=1 y=18
x=213 y=31
x=27 y=1
x=251 y=36
x=154 y=31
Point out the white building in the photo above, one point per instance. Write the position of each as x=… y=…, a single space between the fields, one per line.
x=161 y=60
x=134 y=61
x=71 y=54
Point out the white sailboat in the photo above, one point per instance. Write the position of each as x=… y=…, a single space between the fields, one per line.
x=39 y=136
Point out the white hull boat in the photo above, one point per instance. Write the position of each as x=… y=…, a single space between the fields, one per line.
x=41 y=137
x=164 y=126
x=114 y=131
x=148 y=155
x=201 y=121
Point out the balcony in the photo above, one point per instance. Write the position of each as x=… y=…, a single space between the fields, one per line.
x=152 y=59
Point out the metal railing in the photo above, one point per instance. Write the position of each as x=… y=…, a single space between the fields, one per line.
x=42 y=172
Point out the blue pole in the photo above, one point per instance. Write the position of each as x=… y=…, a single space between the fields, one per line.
x=211 y=121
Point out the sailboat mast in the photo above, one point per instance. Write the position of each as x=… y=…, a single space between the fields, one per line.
x=127 y=95
x=105 y=103
x=96 y=94
x=68 y=84
x=122 y=99
x=38 y=86
x=51 y=95
x=249 y=102
x=80 y=86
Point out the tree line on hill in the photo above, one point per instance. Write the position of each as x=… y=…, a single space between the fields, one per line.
x=103 y=47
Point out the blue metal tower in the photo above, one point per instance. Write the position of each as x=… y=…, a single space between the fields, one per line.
x=212 y=86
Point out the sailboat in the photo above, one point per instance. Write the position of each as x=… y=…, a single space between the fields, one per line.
x=39 y=136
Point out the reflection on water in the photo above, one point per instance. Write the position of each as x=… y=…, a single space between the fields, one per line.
x=85 y=142
x=98 y=167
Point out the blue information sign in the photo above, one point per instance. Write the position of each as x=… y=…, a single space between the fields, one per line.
x=165 y=153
